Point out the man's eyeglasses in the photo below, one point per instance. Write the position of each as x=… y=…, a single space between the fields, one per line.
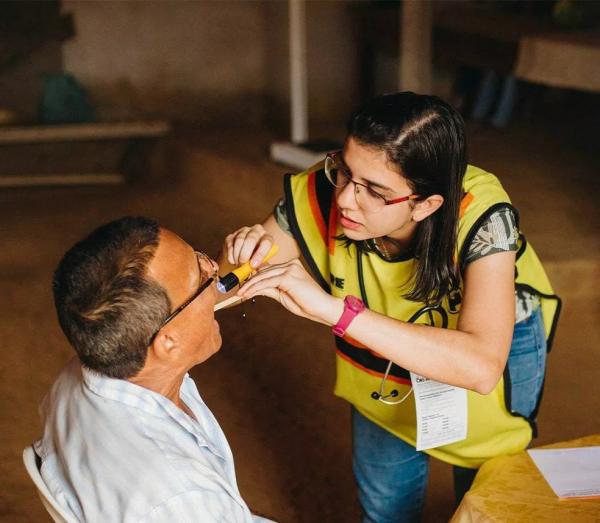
x=367 y=199
x=203 y=286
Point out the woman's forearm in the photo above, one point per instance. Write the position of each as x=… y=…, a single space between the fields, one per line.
x=473 y=355
x=446 y=355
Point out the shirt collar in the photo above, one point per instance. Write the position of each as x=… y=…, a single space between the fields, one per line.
x=124 y=391
x=150 y=402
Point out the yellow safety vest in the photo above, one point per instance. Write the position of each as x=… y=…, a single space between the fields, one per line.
x=341 y=270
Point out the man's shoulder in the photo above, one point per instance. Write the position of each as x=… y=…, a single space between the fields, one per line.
x=96 y=435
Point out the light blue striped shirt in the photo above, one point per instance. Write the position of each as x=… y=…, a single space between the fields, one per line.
x=115 y=451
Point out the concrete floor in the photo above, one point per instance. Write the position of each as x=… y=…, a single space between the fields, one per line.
x=270 y=386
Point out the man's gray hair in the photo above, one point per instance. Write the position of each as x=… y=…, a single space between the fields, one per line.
x=107 y=307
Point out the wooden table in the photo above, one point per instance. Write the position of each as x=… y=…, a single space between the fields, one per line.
x=569 y=60
x=512 y=489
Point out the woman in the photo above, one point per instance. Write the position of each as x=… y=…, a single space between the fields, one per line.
x=398 y=232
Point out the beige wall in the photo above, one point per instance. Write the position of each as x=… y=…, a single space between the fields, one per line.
x=209 y=60
x=174 y=57
x=21 y=85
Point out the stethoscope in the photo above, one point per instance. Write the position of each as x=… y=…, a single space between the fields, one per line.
x=385 y=398
x=381 y=396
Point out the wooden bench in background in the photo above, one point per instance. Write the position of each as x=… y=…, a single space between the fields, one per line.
x=75 y=154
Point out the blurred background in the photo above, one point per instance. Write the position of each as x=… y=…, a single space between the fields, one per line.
x=171 y=109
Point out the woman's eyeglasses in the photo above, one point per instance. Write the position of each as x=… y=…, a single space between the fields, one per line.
x=367 y=198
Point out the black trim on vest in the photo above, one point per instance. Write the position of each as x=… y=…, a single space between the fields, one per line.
x=520 y=251
x=295 y=228
x=532 y=419
x=533 y=290
x=365 y=358
x=324 y=191
x=537 y=405
x=523 y=245
x=361 y=278
x=508 y=403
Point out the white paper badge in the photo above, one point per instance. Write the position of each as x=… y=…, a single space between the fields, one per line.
x=441 y=412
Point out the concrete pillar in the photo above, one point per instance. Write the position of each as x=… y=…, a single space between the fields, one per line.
x=416 y=17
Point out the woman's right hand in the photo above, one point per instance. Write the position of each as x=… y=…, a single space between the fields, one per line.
x=253 y=243
x=248 y=243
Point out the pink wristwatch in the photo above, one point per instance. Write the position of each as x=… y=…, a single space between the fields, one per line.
x=353 y=306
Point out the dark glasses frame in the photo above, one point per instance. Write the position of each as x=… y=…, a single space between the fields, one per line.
x=200 y=290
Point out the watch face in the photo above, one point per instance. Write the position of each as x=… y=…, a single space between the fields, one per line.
x=354 y=303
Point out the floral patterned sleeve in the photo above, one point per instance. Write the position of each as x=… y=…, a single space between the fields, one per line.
x=498 y=233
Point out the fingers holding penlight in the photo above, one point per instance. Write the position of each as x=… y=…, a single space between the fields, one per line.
x=235 y=242
x=246 y=243
x=242 y=273
x=248 y=247
x=260 y=254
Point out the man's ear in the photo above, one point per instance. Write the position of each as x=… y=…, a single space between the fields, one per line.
x=164 y=346
x=427 y=207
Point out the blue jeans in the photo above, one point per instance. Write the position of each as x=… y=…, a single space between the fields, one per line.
x=392 y=476
x=527 y=364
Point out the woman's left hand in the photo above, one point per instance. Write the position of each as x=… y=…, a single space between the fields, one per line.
x=290 y=284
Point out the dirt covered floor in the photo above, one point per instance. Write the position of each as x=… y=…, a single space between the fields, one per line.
x=271 y=384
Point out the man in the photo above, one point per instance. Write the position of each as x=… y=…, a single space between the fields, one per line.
x=127 y=436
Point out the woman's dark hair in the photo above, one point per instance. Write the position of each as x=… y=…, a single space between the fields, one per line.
x=424 y=138
x=107 y=307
